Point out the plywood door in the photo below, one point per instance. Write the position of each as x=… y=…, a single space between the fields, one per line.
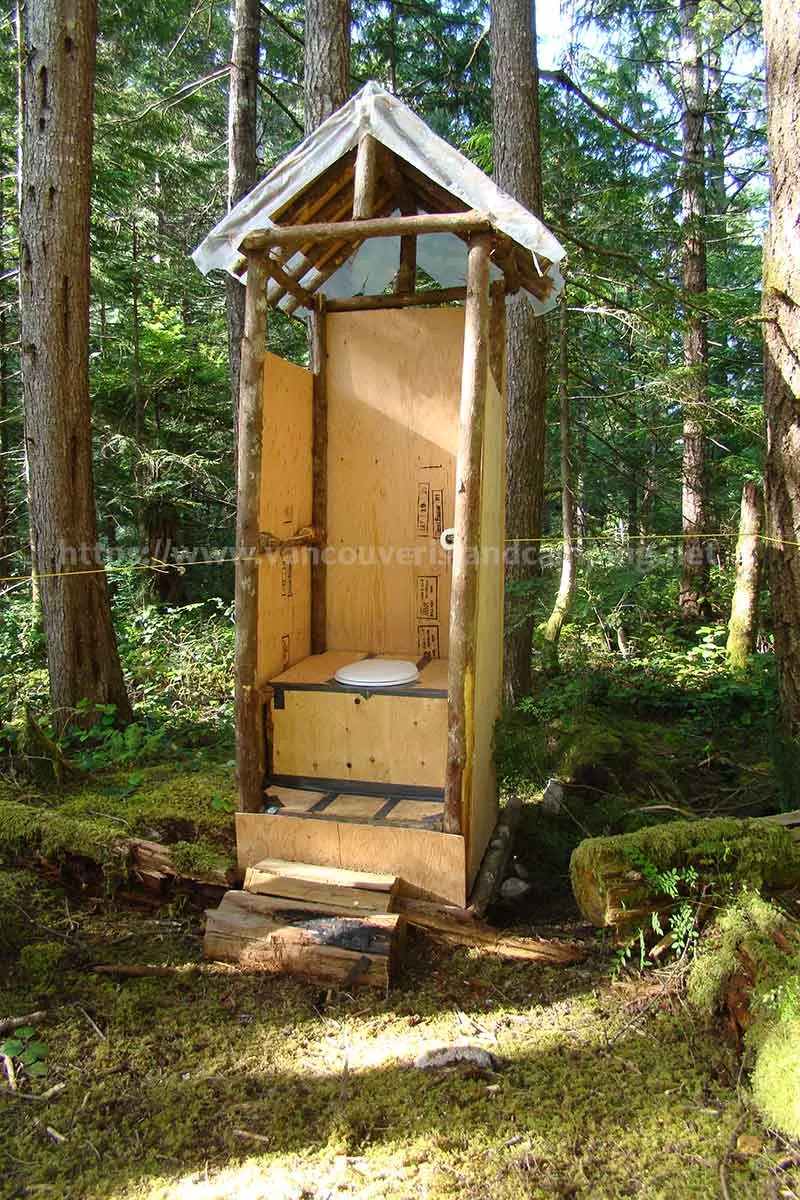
x=400 y=740
x=393 y=385
x=284 y=603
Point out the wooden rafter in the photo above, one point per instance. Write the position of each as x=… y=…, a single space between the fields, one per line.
x=472 y=222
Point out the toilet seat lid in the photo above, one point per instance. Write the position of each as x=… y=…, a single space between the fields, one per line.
x=377 y=673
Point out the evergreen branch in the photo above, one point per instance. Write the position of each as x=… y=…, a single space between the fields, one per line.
x=566 y=81
x=277 y=100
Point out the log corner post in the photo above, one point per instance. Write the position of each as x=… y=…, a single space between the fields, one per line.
x=466 y=549
x=251 y=747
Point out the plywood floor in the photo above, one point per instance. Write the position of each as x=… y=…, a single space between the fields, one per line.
x=404 y=808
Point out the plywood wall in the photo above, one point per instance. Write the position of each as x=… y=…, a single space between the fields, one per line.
x=284 y=604
x=393 y=385
x=489 y=635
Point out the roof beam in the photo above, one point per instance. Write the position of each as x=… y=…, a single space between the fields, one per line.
x=366 y=178
x=289 y=235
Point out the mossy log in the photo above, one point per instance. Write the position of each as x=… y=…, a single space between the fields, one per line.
x=611 y=889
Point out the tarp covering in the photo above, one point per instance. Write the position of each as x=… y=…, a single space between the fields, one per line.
x=373 y=265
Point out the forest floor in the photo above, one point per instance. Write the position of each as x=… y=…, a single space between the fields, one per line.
x=211 y=1082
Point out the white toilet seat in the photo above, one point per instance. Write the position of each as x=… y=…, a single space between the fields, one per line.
x=377 y=673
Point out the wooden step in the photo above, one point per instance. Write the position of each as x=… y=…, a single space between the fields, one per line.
x=328 y=889
x=258 y=932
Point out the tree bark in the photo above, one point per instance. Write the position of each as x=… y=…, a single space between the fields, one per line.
x=327 y=59
x=566 y=586
x=5 y=499
x=781 y=311
x=242 y=160
x=58 y=80
x=743 y=623
x=251 y=742
x=517 y=169
x=694 y=490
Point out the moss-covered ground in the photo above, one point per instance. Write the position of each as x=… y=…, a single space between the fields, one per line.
x=212 y=1083
x=216 y=1083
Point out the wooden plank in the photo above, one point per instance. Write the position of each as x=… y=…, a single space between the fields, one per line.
x=429 y=299
x=285 y=509
x=430 y=865
x=393 y=385
x=362 y=807
x=372 y=881
x=366 y=177
x=324 y=897
x=464 y=596
x=319 y=505
x=466 y=223
x=251 y=745
x=318 y=668
x=384 y=739
x=483 y=795
x=293 y=799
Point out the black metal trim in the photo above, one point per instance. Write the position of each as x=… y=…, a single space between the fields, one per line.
x=413 y=689
x=357 y=787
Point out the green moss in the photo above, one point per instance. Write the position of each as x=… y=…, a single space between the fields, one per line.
x=26 y=903
x=749 y=920
x=753 y=927
x=53 y=833
x=42 y=964
x=169 y=798
x=776 y=1076
x=199 y=858
x=747 y=853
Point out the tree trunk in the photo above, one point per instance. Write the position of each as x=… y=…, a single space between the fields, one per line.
x=242 y=160
x=566 y=586
x=327 y=59
x=743 y=623
x=54 y=281
x=5 y=500
x=694 y=572
x=781 y=310
x=517 y=169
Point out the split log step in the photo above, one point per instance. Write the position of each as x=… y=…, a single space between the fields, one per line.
x=279 y=935
x=331 y=890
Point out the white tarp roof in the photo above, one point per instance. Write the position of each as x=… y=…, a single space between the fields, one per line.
x=373 y=265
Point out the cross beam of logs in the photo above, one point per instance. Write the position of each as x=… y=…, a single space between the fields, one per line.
x=462 y=223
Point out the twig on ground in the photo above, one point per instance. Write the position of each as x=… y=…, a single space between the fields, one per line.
x=256 y=1137
x=93 y=1024
x=9 y=1024
x=11 y=1074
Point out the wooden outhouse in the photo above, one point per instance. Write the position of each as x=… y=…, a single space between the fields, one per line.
x=371 y=497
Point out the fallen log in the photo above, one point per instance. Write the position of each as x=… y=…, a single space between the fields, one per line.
x=462 y=927
x=495 y=861
x=618 y=881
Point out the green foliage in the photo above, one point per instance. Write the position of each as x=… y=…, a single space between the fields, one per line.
x=26 y=1051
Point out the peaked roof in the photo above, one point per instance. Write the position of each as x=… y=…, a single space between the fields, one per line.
x=430 y=175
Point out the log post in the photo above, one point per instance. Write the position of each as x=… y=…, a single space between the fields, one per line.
x=366 y=178
x=407 y=274
x=250 y=733
x=466 y=550
x=319 y=502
